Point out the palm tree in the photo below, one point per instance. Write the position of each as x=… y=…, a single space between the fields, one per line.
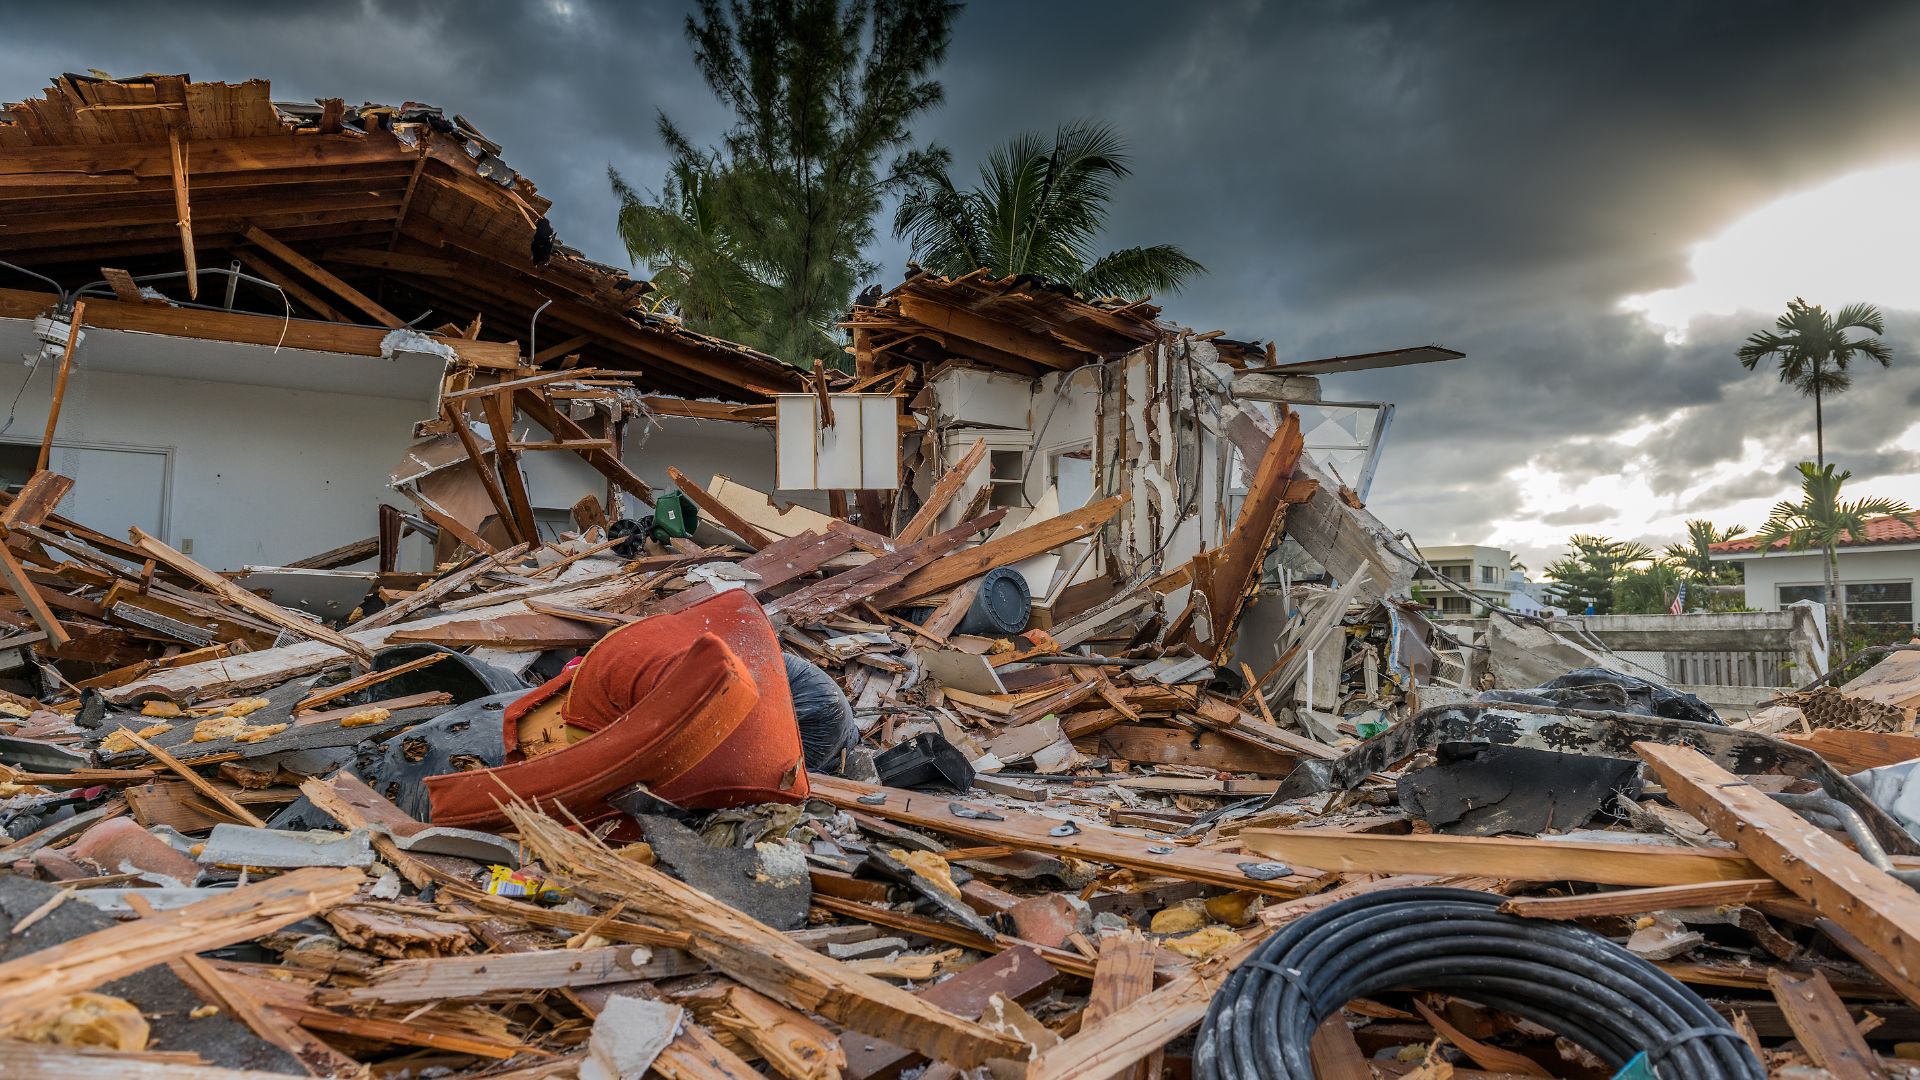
x=1694 y=558
x=1821 y=519
x=1038 y=210
x=1814 y=351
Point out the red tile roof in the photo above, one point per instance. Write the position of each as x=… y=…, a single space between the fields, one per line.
x=1880 y=530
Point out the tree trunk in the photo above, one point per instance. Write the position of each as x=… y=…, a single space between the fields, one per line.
x=1836 y=608
x=1819 y=431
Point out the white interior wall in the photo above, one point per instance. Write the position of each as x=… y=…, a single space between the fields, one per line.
x=260 y=475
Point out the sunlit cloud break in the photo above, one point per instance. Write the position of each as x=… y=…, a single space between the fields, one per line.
x=1851 y=239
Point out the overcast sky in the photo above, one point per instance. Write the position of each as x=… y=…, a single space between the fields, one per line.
x=1497 y=177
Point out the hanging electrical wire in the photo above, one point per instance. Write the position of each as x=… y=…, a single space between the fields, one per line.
x=1567 y=979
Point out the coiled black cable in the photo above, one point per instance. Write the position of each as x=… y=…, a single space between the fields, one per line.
x=1564 y=978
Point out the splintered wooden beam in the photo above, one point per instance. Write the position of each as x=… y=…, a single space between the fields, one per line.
x=721 y=514
x=325 y=278
x=1123 y=975
x=1021 y=544
x=499 y=410
x=16 y=580
x=183 y=209
x=1033 y=832
x=562 y=426
x=944 y=491
x=60 y=384
x=1505 y=857
x=850 y=587
x=490 y=480
x=199 y=783
x=28 y=983
x=311 y=629
x=1226 y=575
x=758 y=956
x=36 y=501
x=1823 y=1025
x=1881 y=911
x=1001 y=336
x=1642 y=901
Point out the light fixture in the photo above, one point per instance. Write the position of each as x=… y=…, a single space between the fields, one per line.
x=52 y=332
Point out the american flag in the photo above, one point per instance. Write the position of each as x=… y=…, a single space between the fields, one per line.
x=1679 y=600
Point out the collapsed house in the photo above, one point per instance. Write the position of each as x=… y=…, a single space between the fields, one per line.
x=590 y=697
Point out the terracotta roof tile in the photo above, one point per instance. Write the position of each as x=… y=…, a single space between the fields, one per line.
x=1880 y=530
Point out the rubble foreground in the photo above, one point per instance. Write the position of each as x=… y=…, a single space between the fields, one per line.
x=959 y=775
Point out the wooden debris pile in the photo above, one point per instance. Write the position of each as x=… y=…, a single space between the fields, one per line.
x=1074 y=911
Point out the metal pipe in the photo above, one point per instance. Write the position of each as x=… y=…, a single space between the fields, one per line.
x=1817 y=807
x=533 y=332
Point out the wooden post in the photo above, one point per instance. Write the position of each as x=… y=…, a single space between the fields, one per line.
x=60 y=383
x=182 y=209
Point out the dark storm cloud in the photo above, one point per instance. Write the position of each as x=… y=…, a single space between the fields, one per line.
x=1357 y=175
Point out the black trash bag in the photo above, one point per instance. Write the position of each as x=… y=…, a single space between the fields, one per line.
x=1600 y=690
x=825 y=716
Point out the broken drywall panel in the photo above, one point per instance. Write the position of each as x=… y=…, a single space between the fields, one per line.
x=967 y=397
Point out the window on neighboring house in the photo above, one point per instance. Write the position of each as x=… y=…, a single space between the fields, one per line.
x=1486 y=573
x=1887 y=603
x=1455 y=605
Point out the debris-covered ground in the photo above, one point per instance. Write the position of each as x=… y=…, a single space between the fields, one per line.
x=775 y=823
x=957 y=775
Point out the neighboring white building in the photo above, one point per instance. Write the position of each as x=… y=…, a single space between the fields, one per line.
x=1878 y=573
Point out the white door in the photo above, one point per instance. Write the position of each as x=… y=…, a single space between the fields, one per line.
x=114 y=487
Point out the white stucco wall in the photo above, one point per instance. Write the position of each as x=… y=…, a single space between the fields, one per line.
x=260 y=475
x=1765 y=575
x=276 y=455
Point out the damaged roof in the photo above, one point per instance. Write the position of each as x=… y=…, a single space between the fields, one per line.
x=1019 y=324
x=414 y=211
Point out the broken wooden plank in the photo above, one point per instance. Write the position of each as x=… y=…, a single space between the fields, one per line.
x=36 y=500
x=1642 y=901
x=499 y=410
x=489 y=479
x=1020 y=974
x=14 y=576
x=1838 y=882
x=721 y=514
x=850 y=587
x=1226 y=575
x=1034 y=832
x=1021 y=544
x=529 y=630
x=446 y=585
x=322 y=276
x=438 y=978
x=244 y=600
x=1823 y=1025
x=1123 y=974
x=758 y=956
x=562 y=426
x=199 y=783
x=183 y=207
x=945 y=490
x=28 y=983
x=355 y=685
x=1504 y=857
x=60 y=384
